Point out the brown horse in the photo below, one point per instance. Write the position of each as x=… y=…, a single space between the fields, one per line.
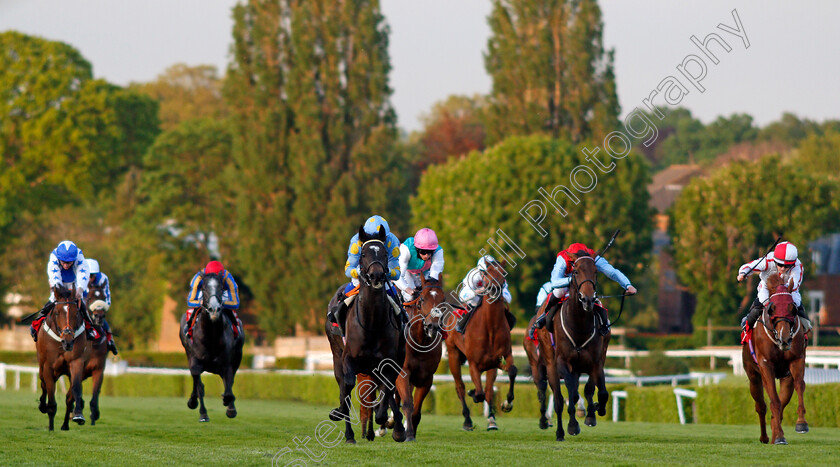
x=423 y=350
x=538 y=373
x=575 y=348
x=779 y=343
x=61 y=345
x=485 y=344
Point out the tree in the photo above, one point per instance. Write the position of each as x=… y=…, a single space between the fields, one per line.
x=721 y=222
x=819 y=153
x=789 y=129
x=186 y=92
x=466 y=200
x=453 y=127
x=314 y=136
x=550 y=71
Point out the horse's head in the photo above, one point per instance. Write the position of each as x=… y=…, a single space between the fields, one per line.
x=781 y=309
x=65 y=317
x=431 y=296
x=493 y=276
x=584 y=280
x=373 y=261
x=211 y=299
x=95 y=302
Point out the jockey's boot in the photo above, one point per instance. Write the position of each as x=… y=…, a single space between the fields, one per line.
x=462 y=324
x=234 y=320
x=41 y=313
x=806 y=321
x=755 y=311
x=604 y=329
x=510 y=318
x=191 y=313
x=336 y=315
x=109 y=338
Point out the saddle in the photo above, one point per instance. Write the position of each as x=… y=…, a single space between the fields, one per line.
x=234 y=326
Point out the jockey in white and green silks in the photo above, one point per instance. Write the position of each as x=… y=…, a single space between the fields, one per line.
x=419 y=255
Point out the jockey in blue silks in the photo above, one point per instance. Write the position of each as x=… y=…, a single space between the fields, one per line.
x=99 y=279
x=230 y=296
x=337 y=313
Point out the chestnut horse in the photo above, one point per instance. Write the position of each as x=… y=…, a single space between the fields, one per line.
x=374 y=344
x=779 y=343
x=61 y=346
x=485 y=344
x=576 y=347
x=423 y=350
x=95 y=356
x=213 y=346
x=538 y=373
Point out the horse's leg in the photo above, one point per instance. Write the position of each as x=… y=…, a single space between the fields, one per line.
x=398 y=432
x=541 y=381
x=198 y=392
x=489 y=393
x=507 y=404
x=797 y=370
x=98 y=376
x=405 y=393
x=42 y=406
x=455 y=370
x=553 y=377
x=227 y=396
x=769 y=383
x=366 y=417
x=77 y=373
x=49 y=383
x=346 y=403
x=477 y=393
x=588 y=392
x=603 y=394
x=572 y=382
x=420 y=394
x=757 y=393
x=69 y=401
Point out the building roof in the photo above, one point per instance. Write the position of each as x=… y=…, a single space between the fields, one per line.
x=668 y=183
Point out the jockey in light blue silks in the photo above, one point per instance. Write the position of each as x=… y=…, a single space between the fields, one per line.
x=420 y=254
x=542 y=295
x=473 y=288
x=99 y=279
x=561 y=277
x=66 y=266
x=337 y=313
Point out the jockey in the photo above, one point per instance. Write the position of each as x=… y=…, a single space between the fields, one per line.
x=545 y=289
x=561 y=277
x=473 y=287
x=230 y=297
x=99 y=279
x=336 y=313
x=783 y=260
x=419 y=254
x=66 y=266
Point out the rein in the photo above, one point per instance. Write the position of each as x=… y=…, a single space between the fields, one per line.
x=775 y=337
x=576 y=288
x=67 y=330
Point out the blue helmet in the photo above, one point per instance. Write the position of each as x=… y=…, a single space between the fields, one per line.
x=373 y=223
x=66 y=251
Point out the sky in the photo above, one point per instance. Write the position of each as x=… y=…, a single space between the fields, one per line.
x=436 y=48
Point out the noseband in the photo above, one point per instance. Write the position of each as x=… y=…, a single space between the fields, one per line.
x=775 y=337
x=578 y=285
x=67 y=330
x=363 y=273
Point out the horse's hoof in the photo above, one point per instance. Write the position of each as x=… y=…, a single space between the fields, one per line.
x=398 y=437
x=92 y=422
x=42 y=407
x=335 y=414
x=227 y=400
x=192 y=403
x=573 y=430
x=80 y=419
x=476 y=398
x=492 y=427
x=560 y=438
x=204 y=418
x=389 y=423
x=370 y=436
x=544 y=425
x=467 y=427
x=380 y=432
x=590 y=421
x=781 y=440
x=764 y=440
x=65 y=427
x=601 y=409
x=231 y=413
x=506 y=406
x=801 y=427
x=350 y=441
x=409 y=439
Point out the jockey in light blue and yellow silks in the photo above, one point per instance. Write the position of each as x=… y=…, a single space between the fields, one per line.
x=230 y=297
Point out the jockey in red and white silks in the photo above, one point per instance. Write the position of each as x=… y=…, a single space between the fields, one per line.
x=788 y=269
x=420 y=254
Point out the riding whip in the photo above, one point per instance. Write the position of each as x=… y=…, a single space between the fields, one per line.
x=609 y=244
x=765 y=255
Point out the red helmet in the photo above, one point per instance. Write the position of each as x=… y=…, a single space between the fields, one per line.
x=213 y=267
x=785 y=253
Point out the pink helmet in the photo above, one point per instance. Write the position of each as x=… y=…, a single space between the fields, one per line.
x=425 y=239
x=785 y=253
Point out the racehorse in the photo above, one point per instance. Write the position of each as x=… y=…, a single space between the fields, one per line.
x=538 y=373
x=375 y=345
x=571 y=346
x=485 y=344
x=95 y=356
x=422 y=351
x=61 y=346
x=213 y=347
x=779 y=354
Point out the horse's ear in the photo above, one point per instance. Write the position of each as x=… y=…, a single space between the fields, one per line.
x=362 y=233
x=382 y=235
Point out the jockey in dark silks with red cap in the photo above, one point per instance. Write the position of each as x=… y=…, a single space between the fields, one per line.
x=230 y=299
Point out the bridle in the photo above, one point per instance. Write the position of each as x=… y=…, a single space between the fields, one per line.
x=775 y=337
x=67 y=330
x=365 y=278
x=363 y=273
x=417 y=306
x=578 y=285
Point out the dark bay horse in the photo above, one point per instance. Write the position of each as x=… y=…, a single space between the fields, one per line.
x=95 y=356
x=576 y=348
x=423 y=349
x=375 y=345
x=213 y=347
x=538 y=373
x=61 y=346
x=486 y=346
x=779 y=343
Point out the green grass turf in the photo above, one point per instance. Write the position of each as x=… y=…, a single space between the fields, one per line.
x=155 y=431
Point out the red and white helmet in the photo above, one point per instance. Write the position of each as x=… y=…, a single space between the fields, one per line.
x=785 y=253
x=425 y=239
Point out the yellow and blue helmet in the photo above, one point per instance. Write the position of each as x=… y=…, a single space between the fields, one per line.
x=373 y=223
